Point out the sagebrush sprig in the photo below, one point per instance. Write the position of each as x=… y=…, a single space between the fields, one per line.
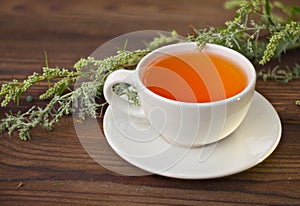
x=12 y=91
x=280 y=74
x=87 y=92
x=46 y=117
x=164 y=40
x=89 y=74
x=260 y=40
x=83 y=97
x=280 y=41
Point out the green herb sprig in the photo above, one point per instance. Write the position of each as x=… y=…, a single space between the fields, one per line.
x=92 y=74
x=280 y=75
x=259 y=40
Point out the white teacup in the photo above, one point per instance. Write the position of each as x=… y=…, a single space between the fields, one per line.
x=184 y=123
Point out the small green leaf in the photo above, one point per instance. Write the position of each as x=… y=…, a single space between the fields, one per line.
x=46 y=58
x=84 y=74
x=296 y=70
x=17 y=100
x=279 y=5
x=267 y=7
x=296 y=9
x=62 y=88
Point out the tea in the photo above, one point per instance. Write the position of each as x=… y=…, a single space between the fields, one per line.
x=194 y=77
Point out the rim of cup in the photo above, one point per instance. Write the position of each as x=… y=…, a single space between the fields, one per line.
x=213 y=48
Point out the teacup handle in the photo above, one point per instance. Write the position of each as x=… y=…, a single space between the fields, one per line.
x=117 y=102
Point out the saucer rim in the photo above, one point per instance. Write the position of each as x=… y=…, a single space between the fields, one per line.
x=276 y=139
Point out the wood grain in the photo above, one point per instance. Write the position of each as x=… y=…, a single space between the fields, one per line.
x=54 y=169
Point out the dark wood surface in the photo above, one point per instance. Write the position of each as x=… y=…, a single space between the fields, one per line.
x=54 y=169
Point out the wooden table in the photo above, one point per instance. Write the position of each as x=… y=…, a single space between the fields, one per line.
x=54 y=169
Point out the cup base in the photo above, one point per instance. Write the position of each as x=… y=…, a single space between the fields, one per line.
x=194 y=146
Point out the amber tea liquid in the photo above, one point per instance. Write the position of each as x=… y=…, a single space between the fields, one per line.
x=195 y=77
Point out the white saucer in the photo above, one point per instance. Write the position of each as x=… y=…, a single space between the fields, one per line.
x=254 y=140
